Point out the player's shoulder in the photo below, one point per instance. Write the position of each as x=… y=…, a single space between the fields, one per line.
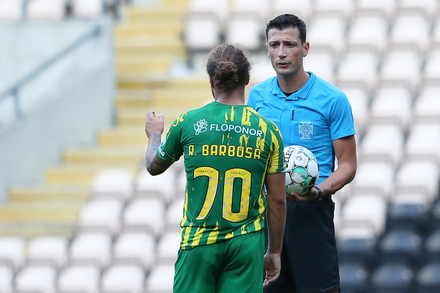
x=330 y=89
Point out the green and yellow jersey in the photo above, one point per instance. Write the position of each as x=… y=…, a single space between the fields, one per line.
x=228 y=151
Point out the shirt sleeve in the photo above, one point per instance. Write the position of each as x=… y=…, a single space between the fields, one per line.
x=341 y=118
x=276 y=159
x=171 y=147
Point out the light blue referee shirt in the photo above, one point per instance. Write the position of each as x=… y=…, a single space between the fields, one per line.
x=312 y=117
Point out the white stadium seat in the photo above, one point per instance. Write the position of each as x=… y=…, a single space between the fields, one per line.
x=301 y=8
x=359 y=66
x=113 y=182
x=79 y=279
x=383 y=142
x=428 y=7
x=383 y=7
x=328 y=32
x=6 y=279
x=91 y=248
x=368 y=211
x=426 y=107
x=374 y=178
x=162 y=186
x=419 y=176
x=45 y=10
x=161 y=279
x=12 y=251
x=168 y=247
x=423 y=141
x=123 y=278
x=11 y=10
x=101 y=215
x=410 y=29
x=321 y=63
x=431 y=73
x=392 y=104
x=36 y=279
x=174 y=214
x=370 y=31
x=244 y=29
x=135 y=247
x=87 y=8
x=50 y=250
x=407 y=73
x=144 y=215
x=259 y=8
x=343 y=7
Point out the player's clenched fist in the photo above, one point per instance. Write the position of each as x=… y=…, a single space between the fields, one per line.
x=153 y=124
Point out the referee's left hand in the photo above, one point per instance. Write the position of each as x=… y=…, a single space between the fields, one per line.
x=309 y=196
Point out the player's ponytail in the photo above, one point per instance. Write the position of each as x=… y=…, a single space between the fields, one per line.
x=228 y=67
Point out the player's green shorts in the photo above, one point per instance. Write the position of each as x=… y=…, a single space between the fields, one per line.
x=234 y=265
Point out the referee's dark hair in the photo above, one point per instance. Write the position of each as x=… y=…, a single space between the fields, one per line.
x=285 y=21
x=228 y=67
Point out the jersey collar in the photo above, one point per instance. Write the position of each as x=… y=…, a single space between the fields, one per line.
x=303 y=93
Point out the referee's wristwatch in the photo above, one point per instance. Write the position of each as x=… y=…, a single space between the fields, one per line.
x=319 y=193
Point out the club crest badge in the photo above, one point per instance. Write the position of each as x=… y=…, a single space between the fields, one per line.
x=305 y=129
x=201 y=126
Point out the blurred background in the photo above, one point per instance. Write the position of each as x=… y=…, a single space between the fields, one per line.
x=78 y=211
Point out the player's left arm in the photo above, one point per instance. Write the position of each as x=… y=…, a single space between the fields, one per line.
x=345 y=150
x=154 y=128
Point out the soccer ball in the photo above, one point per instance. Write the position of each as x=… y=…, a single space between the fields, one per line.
x=302 y=170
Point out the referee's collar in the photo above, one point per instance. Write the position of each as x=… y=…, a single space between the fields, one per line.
x=303 y=93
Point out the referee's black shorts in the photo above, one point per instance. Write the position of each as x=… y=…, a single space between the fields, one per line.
x=309 y=260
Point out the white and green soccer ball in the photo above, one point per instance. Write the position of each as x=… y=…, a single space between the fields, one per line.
x=302 y=170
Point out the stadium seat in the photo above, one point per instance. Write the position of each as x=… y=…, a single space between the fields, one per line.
x=11 y=11
x=428 y=278
x=356 y=244
x=174 y=215
x=321 y=63
x=374 y=177
x=408 y=210
x=392 y=104
x=427 y=7
x=6 y=279
x=162 y=186
x=204 y=23
x=381 y=7
x=435 y=37
x=400 y=246
x=368 y=31
x=101 y=215
x=358 y=66
x=167 y=247
x=301 y=8
x=423 y=141
x=45 y=10
x=87 y=8
x=410 y=29
x=353 y=276
x=383 y=142
x=12 y=251
x=426 y=107
x=246 y=29
x=144 y=215
x=359 y=101
x=431 y=73
x=90 y=248
x=123 y=278
x=161 y=279
x=327 y=32
x=343 y=7
x=36 y=279
x=135 y=248
x=396 y=72
x=50 y=250
x=432 y=244
x=114 y=183
x=392 y=278
x=259 y=8
x=367 y=211
x=79 y=279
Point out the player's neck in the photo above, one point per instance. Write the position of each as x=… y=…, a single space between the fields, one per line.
x=233 y=98
x=293 y=83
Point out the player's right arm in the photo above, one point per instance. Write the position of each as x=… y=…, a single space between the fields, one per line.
x=276 y=217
